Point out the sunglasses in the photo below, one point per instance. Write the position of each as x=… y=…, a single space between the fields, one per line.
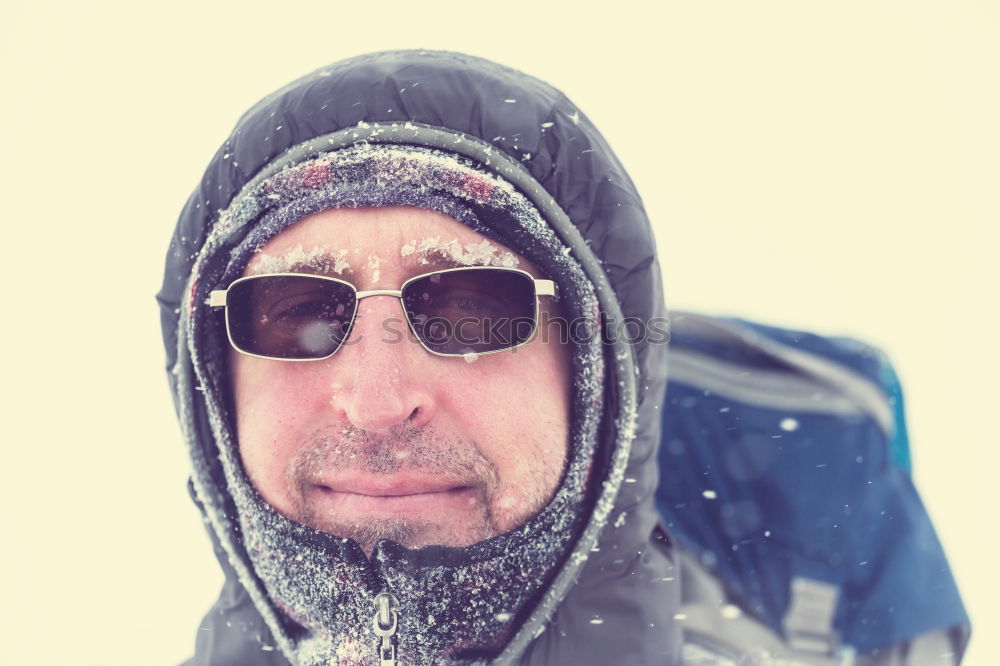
x=452 y=312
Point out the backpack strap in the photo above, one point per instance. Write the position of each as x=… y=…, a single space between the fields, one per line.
x=718 y=633
x=799 y=380
x=715 y=629
x=808 y=623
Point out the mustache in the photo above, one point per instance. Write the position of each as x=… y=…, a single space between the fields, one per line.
x=402 y=447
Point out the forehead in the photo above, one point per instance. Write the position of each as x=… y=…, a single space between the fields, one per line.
x=404 y=239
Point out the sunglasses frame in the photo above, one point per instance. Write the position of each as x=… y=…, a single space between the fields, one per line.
x=218 y=298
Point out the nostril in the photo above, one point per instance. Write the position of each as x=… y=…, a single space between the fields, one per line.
x=423 y=413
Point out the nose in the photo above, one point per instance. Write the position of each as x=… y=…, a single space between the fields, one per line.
x=380 y=376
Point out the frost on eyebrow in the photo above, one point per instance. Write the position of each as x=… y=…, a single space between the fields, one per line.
x=319 y=259
x=483 y=253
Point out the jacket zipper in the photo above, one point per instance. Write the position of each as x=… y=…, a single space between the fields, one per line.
x=386 y=621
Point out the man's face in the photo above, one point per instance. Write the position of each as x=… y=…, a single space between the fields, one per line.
x=384 y=439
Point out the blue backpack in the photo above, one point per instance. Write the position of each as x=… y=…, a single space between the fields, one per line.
x=785 y=470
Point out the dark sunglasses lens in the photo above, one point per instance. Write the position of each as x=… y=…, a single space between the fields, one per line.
x=289 y=316
x=471 y=310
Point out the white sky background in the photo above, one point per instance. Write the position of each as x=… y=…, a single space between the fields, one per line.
x=830 y=166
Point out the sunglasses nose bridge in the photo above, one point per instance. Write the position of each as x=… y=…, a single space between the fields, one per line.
x=383 y=320
x=379 y=292
x=396 y=294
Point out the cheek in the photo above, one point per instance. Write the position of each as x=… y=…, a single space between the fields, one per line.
x=272 y=408
x=516 y=407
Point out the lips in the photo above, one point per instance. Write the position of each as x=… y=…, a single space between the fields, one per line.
x=396 y=485
x=410 y=496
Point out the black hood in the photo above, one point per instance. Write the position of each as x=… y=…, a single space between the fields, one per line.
x=613 y=595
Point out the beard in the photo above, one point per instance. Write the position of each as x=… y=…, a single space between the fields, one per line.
x=403 y=448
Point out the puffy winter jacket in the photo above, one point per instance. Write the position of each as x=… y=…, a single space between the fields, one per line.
x=613 y=596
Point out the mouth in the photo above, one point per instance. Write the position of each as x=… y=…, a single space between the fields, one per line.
x=396 y=497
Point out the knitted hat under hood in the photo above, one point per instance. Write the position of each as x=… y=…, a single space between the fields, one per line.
x=591 y=556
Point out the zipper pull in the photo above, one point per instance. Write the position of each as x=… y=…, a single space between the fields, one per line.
x=385 y=622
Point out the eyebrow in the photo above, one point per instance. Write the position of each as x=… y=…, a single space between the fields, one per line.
x=321 y=261
x=318 y=261
x=436 y=260
x=443 y=255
